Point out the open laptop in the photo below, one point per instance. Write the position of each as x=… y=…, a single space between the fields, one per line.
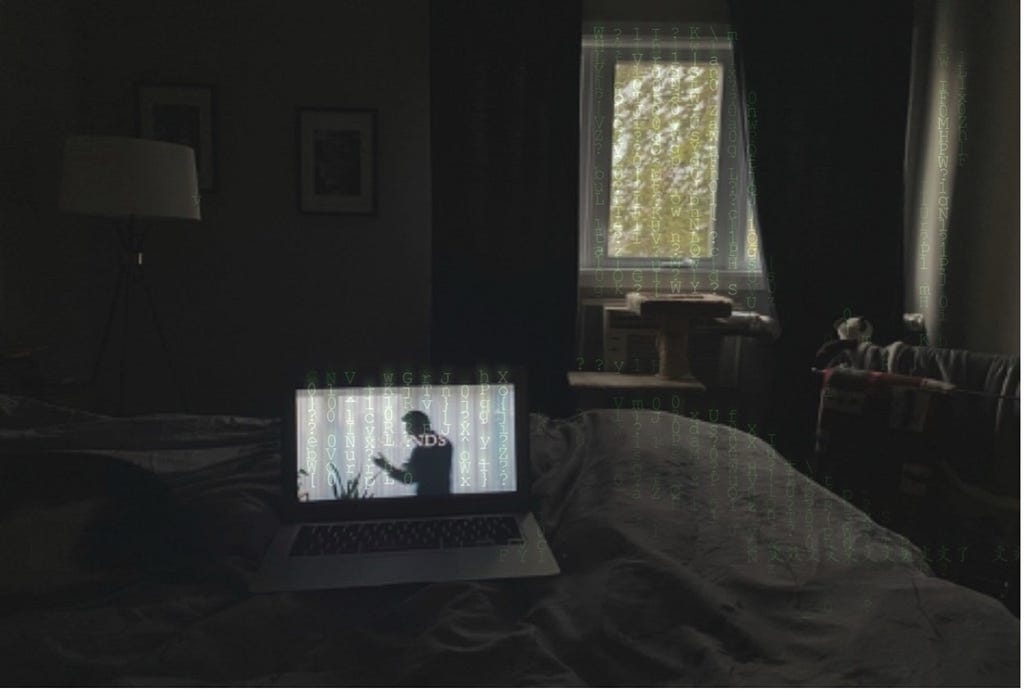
x=400 y=477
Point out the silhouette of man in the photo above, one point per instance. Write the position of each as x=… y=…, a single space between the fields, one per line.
x=429 y=465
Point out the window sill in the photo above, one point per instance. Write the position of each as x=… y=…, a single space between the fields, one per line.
x=671 y=280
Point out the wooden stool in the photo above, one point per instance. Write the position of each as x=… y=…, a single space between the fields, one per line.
x=674 y=313
x=674 y=378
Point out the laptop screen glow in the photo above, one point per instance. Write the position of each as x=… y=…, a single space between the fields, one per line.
x=404 y=441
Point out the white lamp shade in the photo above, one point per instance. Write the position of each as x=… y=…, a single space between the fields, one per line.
x=122 y=177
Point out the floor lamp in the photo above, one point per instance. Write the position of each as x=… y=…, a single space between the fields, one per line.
x=129 y=180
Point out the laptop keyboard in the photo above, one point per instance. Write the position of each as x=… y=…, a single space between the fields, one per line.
x=394 y=536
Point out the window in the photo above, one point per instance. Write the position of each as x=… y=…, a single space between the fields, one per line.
x=666 y=196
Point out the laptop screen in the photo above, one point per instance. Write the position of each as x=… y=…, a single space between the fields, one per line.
x=383 y=442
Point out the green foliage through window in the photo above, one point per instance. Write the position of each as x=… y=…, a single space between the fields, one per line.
x=664 y=171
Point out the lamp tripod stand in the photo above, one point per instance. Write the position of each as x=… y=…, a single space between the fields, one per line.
x=126 y=179
x=130 y=280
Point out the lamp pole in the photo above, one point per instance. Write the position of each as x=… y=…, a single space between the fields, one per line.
x=130 y=274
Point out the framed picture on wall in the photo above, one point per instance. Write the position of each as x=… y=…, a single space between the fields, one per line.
x=337 y=161
x=183 y=114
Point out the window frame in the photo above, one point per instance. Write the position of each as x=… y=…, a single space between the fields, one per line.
x=600 y=52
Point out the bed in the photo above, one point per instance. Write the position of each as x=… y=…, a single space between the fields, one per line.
x=692 y=554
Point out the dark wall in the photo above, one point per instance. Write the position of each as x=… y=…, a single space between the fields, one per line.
x=40 y=264
x=255 y=289
x=481 y=267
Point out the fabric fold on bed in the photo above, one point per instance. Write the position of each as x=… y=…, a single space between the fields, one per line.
x=708 y=530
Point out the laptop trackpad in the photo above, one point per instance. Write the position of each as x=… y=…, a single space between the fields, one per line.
x=409 y=567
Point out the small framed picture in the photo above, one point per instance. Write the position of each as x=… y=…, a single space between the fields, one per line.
x=337 y=161
x=183 y=114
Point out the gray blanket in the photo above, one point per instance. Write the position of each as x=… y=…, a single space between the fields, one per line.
x=691 y=554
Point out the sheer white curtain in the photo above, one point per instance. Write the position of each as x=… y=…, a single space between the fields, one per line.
x=668 y=201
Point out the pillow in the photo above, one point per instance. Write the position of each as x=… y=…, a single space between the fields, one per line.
x=77 y=525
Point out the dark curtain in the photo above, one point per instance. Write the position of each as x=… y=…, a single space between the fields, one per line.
x=504 y=146
x=826 y=86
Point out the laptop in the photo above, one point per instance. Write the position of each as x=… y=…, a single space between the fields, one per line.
x=405 y=477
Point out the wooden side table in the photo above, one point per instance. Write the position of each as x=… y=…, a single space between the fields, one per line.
x=674 y=381
x=647 y=391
